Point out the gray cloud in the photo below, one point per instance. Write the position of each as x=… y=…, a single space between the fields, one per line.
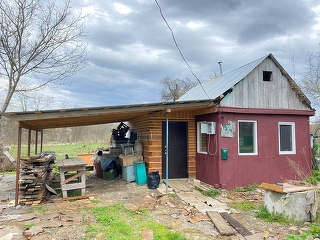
x=131 y=48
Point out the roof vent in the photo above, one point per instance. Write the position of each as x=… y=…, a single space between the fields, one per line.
x=220 y=65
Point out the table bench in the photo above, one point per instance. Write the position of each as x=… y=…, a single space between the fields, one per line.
x=72 y=165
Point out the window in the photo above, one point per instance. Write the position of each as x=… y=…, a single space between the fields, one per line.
x=287 y=139
x=247 y=137
x=267 y=76
x=202 y=139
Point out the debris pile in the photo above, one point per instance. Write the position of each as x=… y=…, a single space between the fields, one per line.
x=35 y=176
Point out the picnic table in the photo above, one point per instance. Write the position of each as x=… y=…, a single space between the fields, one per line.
x=76 y=165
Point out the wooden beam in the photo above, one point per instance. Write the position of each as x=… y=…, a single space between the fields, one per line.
x=18 y=166
x=75 y=198
x=272 y=187
x=206 y=110
x=73 y=177
x=235 y=224
x=28 y=126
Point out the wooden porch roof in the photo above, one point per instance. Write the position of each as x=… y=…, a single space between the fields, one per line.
x=60 y=118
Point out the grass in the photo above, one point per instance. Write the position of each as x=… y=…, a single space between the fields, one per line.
x=62 y=149
x=273 y=216
x=243 y=205
x=314 y=178
x=116 y=222
x=172 y=195
x=210 y=193
x=249 y=187
x=313 y=233
x=37 y=209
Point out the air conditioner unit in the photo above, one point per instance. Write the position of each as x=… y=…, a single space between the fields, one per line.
x=204 y=127
x=211 y=127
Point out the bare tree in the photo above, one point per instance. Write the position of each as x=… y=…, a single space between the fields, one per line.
x=40 y=45
x=311 y=79
x=26 y=101
x=172 y=89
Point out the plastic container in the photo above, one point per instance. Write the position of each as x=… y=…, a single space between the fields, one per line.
x=98 y=169
x=140 y=172
x=128 y=173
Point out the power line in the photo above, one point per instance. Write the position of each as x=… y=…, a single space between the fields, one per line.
x=175 y=42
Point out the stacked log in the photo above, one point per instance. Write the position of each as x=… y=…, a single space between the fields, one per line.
x=36 y=173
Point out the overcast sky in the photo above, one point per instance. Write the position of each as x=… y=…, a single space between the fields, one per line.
x=131 y=48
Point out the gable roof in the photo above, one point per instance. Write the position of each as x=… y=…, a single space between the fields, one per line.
x=217 y=88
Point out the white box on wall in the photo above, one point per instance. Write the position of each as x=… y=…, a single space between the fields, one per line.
x=211 y=128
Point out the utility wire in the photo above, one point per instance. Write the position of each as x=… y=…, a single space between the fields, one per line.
x=175 y=42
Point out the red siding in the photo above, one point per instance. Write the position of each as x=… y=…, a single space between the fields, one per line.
x=268 y=165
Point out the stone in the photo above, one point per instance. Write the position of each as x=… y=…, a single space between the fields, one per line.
x=293 y=228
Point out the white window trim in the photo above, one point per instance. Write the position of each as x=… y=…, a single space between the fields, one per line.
x=199 y=138
x=255 y=139
x=293 y=138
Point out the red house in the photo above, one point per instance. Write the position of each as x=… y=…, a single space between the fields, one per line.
x=260 y=131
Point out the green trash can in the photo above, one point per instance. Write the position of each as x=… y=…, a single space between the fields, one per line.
x=140 y=172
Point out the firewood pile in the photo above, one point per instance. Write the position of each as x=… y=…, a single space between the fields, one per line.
x=36 y=174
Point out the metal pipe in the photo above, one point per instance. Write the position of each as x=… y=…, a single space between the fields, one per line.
x=167 y=153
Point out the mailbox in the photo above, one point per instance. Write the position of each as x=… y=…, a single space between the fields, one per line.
x=224 y=153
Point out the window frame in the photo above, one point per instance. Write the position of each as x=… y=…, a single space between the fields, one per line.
x=267 y=76
x=199 y=139
x=255 y=137
x=293 y=141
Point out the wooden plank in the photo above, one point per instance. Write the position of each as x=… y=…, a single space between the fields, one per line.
x=272 y=187
x=235 y=224
x=290 y=188
x=74 y=198
x=73 y=177
x=222 y=226
x=286 y=188
x=71 y=162
x=72 y=186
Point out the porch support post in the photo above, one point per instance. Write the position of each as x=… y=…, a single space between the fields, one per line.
x=18 y=165
x=41 y=143
x=36 y=144
x=29 y=141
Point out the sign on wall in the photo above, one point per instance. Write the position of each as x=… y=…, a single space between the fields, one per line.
x=228 y=130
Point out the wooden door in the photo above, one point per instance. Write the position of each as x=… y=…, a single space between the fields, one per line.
x=177 y=149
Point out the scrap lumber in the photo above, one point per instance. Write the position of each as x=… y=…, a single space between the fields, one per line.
x=35 y=174
x=287 y=187
x=272 y=187
x=235 y=224
x=220 y=223
x=75 y=198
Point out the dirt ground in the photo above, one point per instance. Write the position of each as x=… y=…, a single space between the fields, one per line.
x=174 y=212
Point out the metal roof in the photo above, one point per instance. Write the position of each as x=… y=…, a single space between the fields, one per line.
x=59 y=118
x=216 y=88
